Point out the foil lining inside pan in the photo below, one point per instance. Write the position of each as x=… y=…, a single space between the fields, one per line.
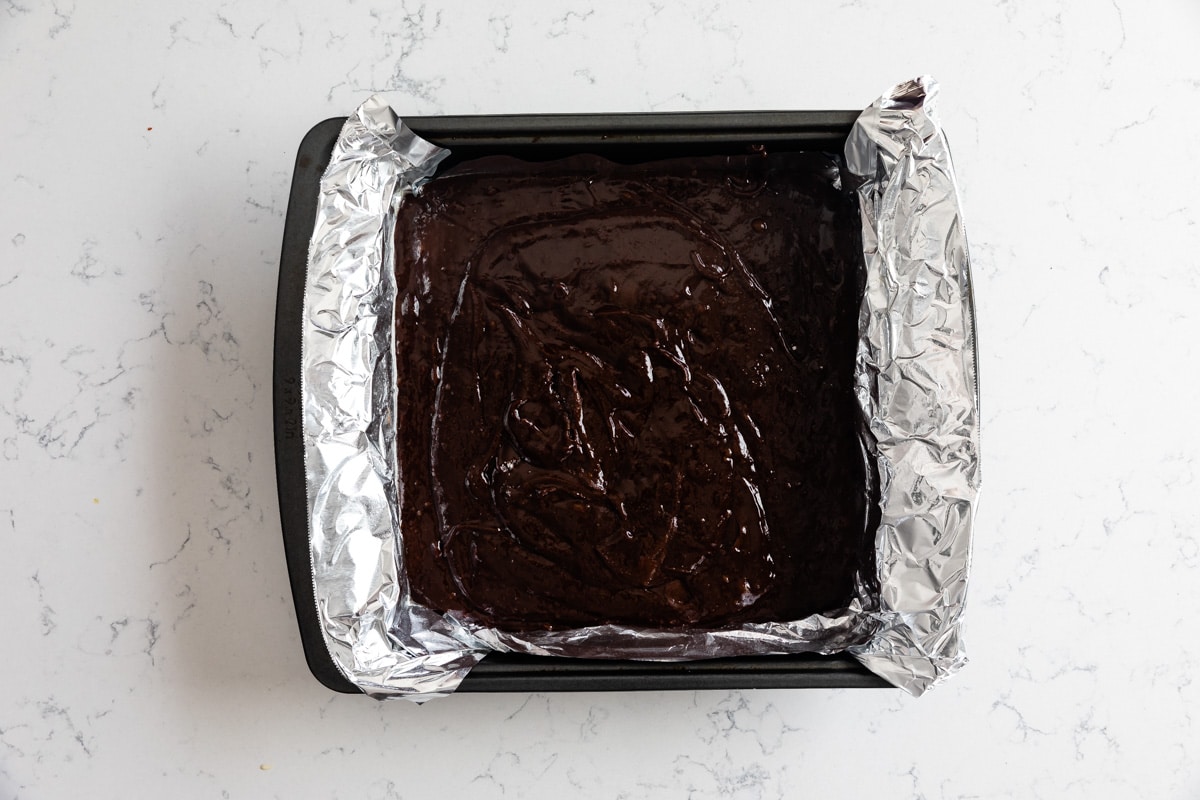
x=915 y=383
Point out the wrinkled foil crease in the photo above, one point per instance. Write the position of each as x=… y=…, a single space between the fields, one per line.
x=390 y=646
x=916 y=384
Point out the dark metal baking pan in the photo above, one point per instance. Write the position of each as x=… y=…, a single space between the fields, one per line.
x=622 y=137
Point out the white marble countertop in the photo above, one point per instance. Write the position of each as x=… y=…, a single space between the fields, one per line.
x=152 y=648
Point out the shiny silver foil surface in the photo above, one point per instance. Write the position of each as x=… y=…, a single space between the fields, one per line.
x=390 y=646
x=916 y=384
x=377 y=639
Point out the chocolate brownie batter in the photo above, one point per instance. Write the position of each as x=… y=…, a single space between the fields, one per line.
x=626 y=391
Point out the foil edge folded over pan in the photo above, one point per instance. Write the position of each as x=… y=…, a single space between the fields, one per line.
x=375 y=638
x=917 y=384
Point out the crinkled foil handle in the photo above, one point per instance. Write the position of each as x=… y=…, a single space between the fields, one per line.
x=917 y=384
x=378 y=641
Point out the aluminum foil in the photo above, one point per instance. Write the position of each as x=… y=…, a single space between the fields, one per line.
x=916 y=387
x=916 y=384
x=376 y=637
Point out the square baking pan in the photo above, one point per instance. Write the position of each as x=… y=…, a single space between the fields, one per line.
x=621 y=137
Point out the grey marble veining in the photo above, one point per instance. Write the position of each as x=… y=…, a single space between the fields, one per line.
x=151 y=645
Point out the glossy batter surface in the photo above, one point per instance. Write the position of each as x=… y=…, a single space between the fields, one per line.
x=625 y=392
